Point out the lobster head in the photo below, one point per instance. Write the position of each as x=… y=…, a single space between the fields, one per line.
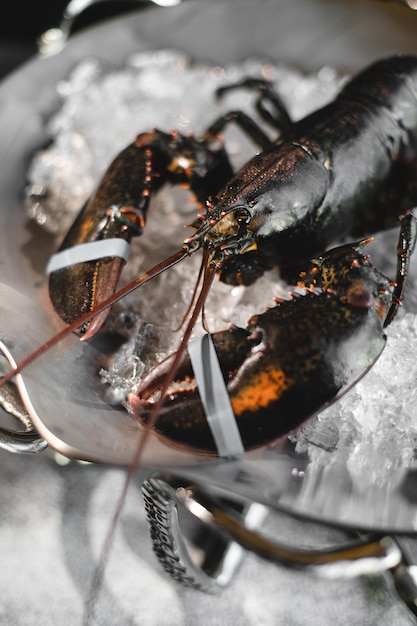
x=249 y=226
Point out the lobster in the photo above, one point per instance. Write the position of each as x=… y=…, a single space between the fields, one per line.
x=346 y=170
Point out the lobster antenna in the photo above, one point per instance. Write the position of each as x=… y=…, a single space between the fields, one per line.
x=124 y=291
x=193 y=297
x=209 y=273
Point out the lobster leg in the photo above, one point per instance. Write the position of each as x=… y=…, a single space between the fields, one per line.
x=405 y=248
x=269 y=105
x=117 y=212
x=245 y=123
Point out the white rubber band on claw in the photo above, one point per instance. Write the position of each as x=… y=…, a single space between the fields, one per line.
x=214 y=396
x=89 y=251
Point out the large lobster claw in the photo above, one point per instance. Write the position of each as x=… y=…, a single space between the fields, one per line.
x=86 y=270
x=288 y=364
x=112 y=216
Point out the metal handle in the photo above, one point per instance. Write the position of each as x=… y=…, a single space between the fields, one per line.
x=210 y=561
x=411 y=4
x=27 y=441
x=54 y=39
x=225 y=526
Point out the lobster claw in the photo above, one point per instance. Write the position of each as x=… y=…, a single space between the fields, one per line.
x=87 y=267
x=181 y=418
x=290 y=362
x=86 y=270
x=92 y=281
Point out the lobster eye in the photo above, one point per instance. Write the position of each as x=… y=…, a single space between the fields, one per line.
x=242 y=216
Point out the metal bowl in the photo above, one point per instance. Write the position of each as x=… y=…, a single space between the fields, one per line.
x=70 y=411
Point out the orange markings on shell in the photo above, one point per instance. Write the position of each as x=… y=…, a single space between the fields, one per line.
x=267 y=386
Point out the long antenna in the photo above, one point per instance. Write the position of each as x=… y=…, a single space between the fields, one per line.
x=209 y=274
x=124 y=291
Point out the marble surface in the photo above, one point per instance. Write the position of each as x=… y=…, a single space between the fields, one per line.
x=53 y=521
